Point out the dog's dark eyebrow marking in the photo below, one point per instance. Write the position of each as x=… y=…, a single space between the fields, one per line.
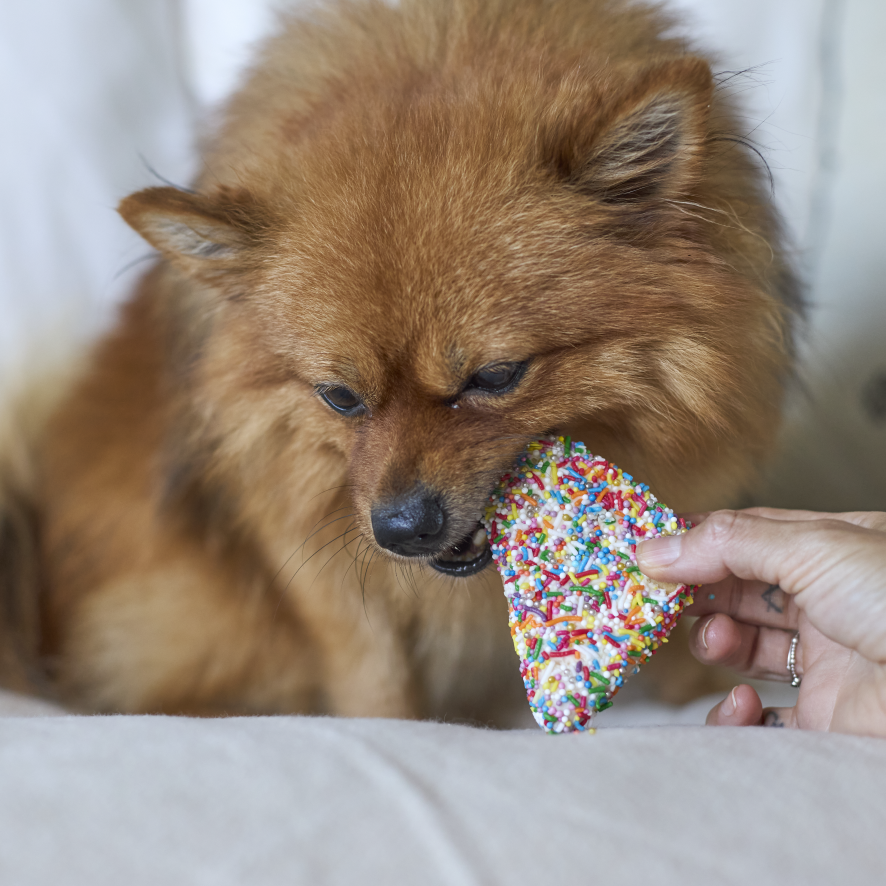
x=457 y=364
x=456 y=359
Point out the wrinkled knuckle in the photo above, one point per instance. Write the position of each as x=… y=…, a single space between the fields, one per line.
x=761 y=511
x=876 y=520
x=832 y=534
x=721 y=526
x=734 y=598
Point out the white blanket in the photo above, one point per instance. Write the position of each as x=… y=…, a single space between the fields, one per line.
x=126 y=801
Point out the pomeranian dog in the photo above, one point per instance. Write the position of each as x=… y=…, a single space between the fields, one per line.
x=424 y=234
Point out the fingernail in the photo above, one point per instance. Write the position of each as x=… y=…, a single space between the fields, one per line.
x=702 y=637
x=659 y=551
x=729 y=704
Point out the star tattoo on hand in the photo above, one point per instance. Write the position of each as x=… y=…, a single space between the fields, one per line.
x=773 y=720
x=774 y=597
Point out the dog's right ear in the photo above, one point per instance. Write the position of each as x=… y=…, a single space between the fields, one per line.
x=203 y=236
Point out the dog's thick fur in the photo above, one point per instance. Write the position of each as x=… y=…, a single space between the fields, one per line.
x=397 y=197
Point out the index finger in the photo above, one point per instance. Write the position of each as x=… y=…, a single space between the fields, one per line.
x=788 y=553
x=867 y=519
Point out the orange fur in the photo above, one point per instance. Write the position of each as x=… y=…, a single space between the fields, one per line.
x=397 y=197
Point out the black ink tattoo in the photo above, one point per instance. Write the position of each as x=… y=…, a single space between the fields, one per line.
x=772 y=719
x=770 y=595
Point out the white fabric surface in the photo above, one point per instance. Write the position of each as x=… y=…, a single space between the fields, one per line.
x=267 y=801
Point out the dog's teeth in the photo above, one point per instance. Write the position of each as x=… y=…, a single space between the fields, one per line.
x=469 y=548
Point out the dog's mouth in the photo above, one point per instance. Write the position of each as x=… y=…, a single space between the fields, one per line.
x=471 y=555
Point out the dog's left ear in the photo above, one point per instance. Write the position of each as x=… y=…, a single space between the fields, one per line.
x=648 y=141
x=201 y=235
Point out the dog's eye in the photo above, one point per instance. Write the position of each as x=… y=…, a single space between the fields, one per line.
x=342 y=400
x=497 y=377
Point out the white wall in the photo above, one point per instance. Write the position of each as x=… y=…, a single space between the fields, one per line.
x=824 y=109
x=90 y=87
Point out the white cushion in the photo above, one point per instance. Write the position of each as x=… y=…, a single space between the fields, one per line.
x=290 y=800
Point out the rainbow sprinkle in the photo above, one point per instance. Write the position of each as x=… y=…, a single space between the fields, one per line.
x=564 y=526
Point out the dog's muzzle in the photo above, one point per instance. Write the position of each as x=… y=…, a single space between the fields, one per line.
x=414 y=525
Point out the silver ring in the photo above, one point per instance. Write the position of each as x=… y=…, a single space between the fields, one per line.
x=792 y=660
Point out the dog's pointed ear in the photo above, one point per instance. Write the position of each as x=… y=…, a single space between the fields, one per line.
x=201 y=235
x=650 y=141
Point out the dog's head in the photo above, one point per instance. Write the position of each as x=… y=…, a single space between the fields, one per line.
x=442 y=274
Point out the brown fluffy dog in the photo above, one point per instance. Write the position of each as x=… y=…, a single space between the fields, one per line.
x=423 y=236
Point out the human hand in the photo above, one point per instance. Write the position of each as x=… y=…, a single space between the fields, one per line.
x=769 y=573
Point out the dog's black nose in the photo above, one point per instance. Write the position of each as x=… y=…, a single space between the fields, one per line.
x=410 y=525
